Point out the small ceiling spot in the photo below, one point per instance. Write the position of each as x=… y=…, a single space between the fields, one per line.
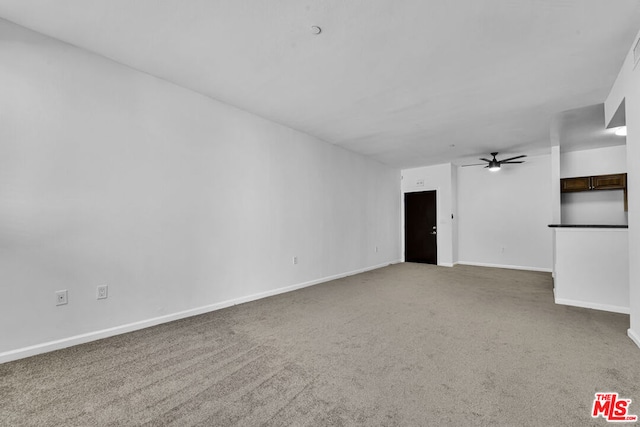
x=316 y=30
x=452 y=145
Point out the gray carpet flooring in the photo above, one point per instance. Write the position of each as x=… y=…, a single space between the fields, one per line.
x=406 y=345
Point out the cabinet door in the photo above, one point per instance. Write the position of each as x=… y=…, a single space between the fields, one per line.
x=609 y=182
x=568 y=185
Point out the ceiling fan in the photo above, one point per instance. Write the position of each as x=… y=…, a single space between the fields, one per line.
x=494 y=164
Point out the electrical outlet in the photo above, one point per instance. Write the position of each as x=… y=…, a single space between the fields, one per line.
x=295 y=259
x=103 y=292
x=61 y=297
x=420 y=183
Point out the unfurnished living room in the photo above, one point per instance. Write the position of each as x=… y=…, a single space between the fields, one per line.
x=319 y=213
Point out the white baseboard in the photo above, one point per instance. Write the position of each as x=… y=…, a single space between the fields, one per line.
x=634 y=336
x=511 y=267
x=33 y=350
x=447 y=264
x=595 y=306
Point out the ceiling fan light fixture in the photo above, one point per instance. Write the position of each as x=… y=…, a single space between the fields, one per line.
x=494 y=164
x=621 y=131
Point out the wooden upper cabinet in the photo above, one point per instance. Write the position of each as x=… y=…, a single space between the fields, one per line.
x=609 y=182
x=582 y=183
x=616 y=181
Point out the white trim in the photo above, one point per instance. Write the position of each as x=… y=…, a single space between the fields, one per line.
x=511 y=267
x=595 y=306
x=33 y=350
x=447 y=264
x=634 y=337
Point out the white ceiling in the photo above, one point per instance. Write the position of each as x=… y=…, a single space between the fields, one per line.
x=407 y=82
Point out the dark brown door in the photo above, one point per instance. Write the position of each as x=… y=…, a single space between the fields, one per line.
x=420 y=230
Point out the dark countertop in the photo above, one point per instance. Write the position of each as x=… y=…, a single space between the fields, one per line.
x=587 y=226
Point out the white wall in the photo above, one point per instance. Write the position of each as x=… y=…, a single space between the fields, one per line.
x=596 y=161
x=555 y=185
x=593 y=207
x=556 y=216
x=454 y=211
x=592 y=268
x=627 y=88
x=437 y=178
x=503 y=216
x=178 y=203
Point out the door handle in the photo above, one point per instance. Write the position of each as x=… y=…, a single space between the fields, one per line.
x=433 y=232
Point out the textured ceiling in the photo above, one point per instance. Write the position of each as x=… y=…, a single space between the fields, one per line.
x=409 y=82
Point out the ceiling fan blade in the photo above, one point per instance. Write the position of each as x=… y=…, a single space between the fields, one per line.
x=513 y=158
x=511 y=162
x=486 y=160
x=475 y=164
